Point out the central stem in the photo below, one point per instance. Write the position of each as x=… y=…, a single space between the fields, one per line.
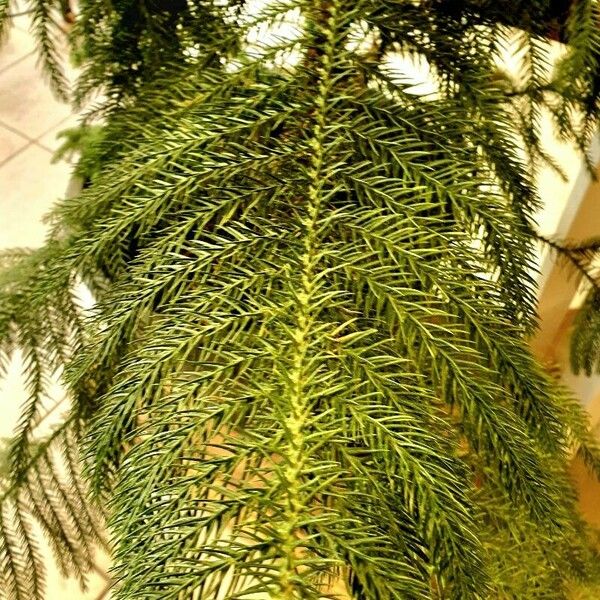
x=296 y=452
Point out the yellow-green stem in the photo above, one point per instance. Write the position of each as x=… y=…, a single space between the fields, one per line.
x=295 y=452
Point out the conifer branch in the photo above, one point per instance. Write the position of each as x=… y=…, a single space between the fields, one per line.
x=306 y=373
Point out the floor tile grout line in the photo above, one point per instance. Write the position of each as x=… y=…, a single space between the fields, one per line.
x=17 y=153
x=30 y=141
x=47 y=131
x=40 y=135
x=14 y=130
x=16 y=62
x=28 y=145
x=44 y=147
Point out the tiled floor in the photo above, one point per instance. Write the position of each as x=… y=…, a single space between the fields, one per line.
x=30 y=118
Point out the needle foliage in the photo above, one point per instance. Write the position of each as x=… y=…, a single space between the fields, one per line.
x=307 y=373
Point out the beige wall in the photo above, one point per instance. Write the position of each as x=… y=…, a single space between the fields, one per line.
x=559 y=300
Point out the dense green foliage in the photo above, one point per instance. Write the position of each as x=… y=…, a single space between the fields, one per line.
x=307 y=373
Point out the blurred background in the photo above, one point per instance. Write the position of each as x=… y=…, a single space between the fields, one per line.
x=30 y=182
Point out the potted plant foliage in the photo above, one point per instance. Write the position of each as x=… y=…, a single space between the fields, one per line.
x=307 y=371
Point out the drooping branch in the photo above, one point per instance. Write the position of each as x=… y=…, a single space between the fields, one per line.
x=578 y=255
